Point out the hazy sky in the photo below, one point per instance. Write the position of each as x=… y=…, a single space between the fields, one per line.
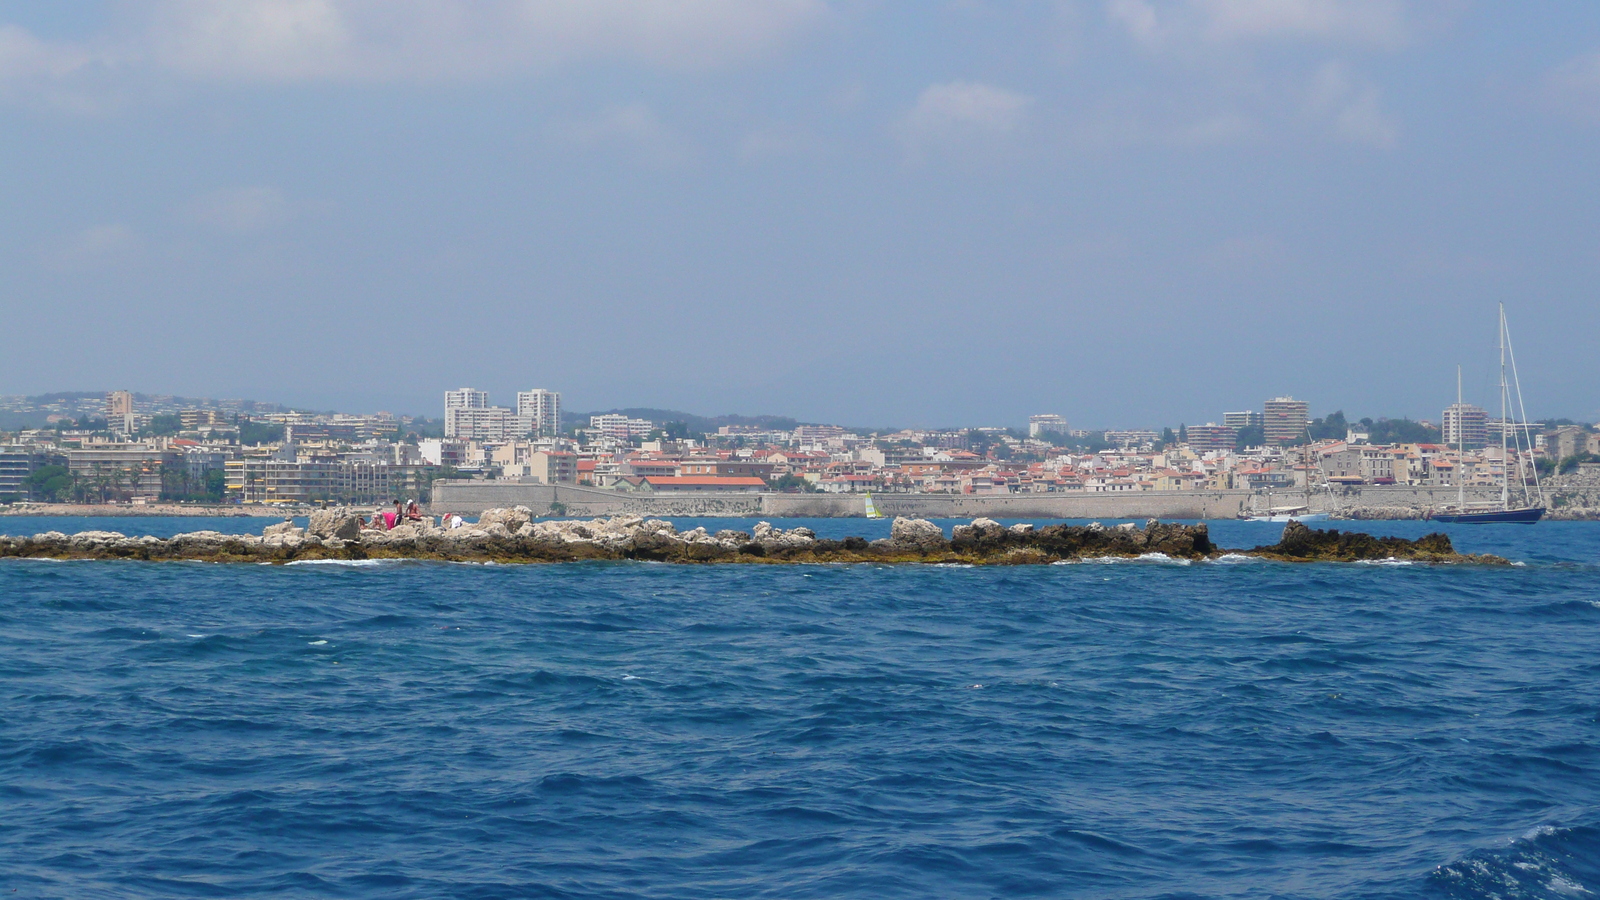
x=1128 y=212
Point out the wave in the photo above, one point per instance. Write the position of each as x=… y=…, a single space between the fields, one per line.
x=1144 y=558
x=1546 y=863
x=355 y=563
x=1236 y=559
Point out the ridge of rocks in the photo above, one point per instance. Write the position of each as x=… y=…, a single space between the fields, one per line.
x=512 y=535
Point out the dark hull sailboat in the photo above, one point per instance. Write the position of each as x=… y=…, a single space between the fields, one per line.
x=1526 y=516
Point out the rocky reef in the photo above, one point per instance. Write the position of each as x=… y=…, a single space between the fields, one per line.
x=511 y=535
x=1302 y=544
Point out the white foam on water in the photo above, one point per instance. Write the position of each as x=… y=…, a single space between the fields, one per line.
x=358 y=563
x=1146 y=558
x=1234 y=559
x=1563 y=886
x=1391 y=561
x=318 y=643
x=630 y=678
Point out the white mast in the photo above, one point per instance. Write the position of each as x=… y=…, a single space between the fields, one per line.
x=1461 y=451
x=1505 y=462
x=1522 y=416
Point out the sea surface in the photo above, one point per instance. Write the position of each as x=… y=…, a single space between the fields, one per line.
x=630 y=730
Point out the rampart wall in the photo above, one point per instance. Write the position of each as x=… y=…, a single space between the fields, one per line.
x=472 y=497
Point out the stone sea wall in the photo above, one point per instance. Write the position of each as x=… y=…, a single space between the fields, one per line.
x=467 y=498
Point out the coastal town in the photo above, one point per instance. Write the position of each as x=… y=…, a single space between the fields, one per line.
x=139 y=450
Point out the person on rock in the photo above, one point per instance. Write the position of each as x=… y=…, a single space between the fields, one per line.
x=413 y=512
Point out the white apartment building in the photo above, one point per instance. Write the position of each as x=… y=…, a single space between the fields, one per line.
x=1048 y=422
x=620 y=427
x=1463 y=421
x=466 y=398
x=494 y=423
x=542 y=409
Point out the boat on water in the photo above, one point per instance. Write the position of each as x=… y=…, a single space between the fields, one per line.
x=872 y=509
x=1287 y=514
x=1530 y=506
x=1301 y=513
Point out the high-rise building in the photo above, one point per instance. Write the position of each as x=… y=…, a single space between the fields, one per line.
x=542 y=409
x=1465 y=422
x=1284 y=420
x=1048 y=422
x=491 y=423
x=119 y=412
x=1210 y=436
x=467 y=415
x=466 y=398
x=118 y=404
x=1242 y=419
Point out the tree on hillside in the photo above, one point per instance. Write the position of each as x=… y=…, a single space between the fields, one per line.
x=1401 y=431
x=1249 y=436
x=1332 y=428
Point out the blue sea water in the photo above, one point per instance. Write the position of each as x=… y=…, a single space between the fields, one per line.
x=1132 y=729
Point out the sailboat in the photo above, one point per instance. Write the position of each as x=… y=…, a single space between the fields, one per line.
x=1301 y=513
x=1531 y=507
x=872 y=511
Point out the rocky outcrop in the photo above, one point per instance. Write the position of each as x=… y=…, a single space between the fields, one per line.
x=918 y=535
x=340 y=522
x=1300 y=543
x=984 y=541
x=285 y=527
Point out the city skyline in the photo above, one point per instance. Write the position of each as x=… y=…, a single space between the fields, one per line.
x=835 y=210
x=545 y=407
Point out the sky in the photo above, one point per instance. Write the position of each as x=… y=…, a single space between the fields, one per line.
x=1127 y=212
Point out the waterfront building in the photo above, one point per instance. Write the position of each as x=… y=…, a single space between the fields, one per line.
x=16 y=464
x=1284 y=420
x=1464 y=422
x=123 y=471
x=327 y=479
x=542 y=409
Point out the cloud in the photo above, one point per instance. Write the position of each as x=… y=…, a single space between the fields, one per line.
x=1351 y=107
x=1380 y=23
x=413 y=40
x=1159 y=24
x=242 y=210
x=92 y=248
x=634 y=129
x=962 y=113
